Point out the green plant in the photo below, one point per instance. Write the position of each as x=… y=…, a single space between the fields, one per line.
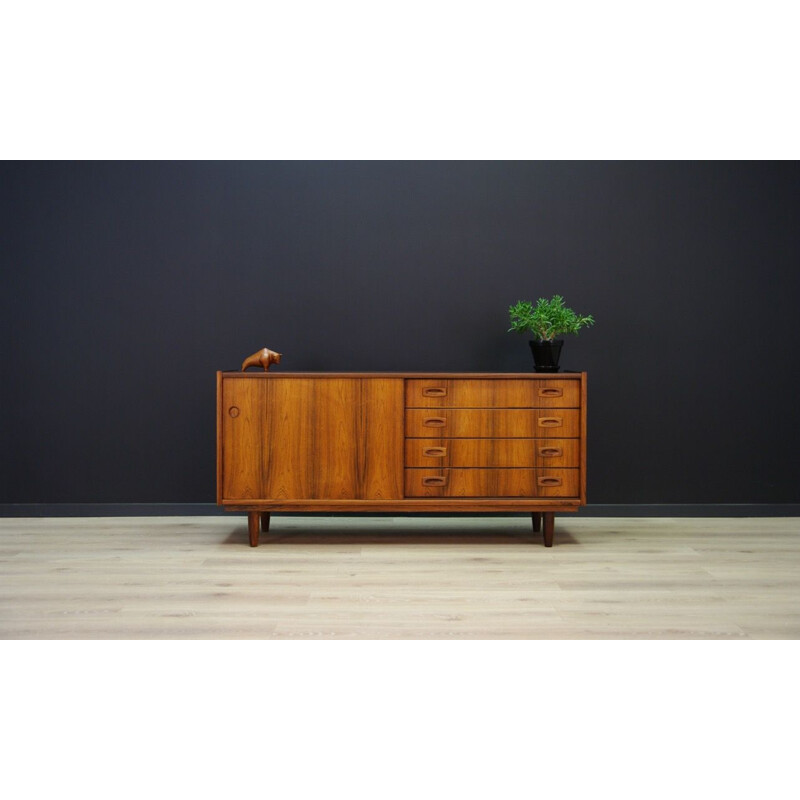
x=547 y=319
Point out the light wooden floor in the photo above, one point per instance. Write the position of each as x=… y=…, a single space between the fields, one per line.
x=399 y=578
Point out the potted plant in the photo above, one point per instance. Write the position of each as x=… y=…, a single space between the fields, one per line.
x=546 y=320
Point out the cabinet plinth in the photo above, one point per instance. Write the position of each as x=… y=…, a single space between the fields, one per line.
x=394 y=442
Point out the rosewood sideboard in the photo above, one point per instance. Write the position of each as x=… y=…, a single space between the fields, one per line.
x=401 y=442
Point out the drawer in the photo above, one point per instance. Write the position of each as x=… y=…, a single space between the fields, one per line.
x=492 y=452
x=492 y=482
x=490 y=423
x=522 y=393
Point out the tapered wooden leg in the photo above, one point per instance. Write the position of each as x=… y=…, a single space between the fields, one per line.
x=264 y=521
x=537 y=521
x=548 y=528
x=252 y=526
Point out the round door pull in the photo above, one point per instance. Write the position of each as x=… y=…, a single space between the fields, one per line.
x=233 y=411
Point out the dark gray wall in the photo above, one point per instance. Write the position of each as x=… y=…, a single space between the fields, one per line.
x=126 y=285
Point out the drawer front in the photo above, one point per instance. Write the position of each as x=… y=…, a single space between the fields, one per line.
x=533 y=393
x=489 y=423
x=492 y=482
x=442 y=452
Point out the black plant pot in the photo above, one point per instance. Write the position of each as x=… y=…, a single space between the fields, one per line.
x=546 y=355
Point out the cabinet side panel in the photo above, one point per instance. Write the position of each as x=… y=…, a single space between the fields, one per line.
x=380 y=438
x=219 y=437
x=241 y=417
x=583 y=437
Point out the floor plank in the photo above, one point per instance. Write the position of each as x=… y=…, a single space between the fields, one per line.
x=399 y=578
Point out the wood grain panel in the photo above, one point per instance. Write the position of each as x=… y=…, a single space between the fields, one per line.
x=241 y=416
x=441 y=452
x=492 y=482
x=488 y=393
x=487 y=423
x=287 y=462
x=334 y=439
x=310 y=446
x=380 y=438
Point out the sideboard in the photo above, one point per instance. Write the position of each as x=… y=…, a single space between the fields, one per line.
x=401 y=442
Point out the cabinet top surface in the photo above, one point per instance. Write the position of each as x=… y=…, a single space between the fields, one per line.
x=438 y=375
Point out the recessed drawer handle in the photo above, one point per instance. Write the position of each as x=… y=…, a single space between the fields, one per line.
x=434 y=481
x=435 y=452
x=551 y=451
x=434 y=391
x=550 y=422
x=434 y=422
x=551 y=392
x=549 y=481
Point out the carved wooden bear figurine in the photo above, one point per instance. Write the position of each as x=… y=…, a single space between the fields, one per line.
x=263 y=358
